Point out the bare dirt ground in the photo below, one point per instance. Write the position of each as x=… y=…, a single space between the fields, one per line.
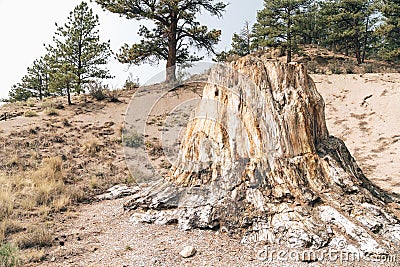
x=363 y=110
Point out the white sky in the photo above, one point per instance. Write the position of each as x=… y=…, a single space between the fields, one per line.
x=26 y=25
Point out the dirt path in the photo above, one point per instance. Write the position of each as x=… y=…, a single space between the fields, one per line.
x=101 y=235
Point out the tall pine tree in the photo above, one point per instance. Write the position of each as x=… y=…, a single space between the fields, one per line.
x=242 y=42
x=175 y=30
x=276 y=24
x=390 y=30
x=37 y=79
x=78 y=53
x=350 y=24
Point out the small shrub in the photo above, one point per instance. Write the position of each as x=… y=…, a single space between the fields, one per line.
x=9 y=255
x=368 y=68
x=97 y=90
x=51 y=112
x=133 y=139
x=349 y=68
x=30 y=113
x=131 y=82
x=312 y=66
x=112 y=96
x=31 y=102
x=47 y=103
x=334 y=68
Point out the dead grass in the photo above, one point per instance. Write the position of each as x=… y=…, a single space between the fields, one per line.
x=36 y=236
x=6 y=203
x=39 y=192
x=31 y=102
x=51 y=111
x=30 y=113
x=92 y=147
x=34 y=255
x=41 y=177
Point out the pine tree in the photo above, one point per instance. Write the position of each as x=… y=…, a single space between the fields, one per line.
x=63 y=78
x=34 y=84
x=390 y=30
x=275 y=26
x=308 y=24
x=37 y=79
x=78 y=52
x=351 y=23
x=175 y=30
x=18 y=93
x=241 y=42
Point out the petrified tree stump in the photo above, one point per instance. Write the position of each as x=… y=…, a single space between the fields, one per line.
x=257 y=161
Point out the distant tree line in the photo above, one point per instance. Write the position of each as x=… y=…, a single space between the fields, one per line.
x=73 y=60
x=359 y=28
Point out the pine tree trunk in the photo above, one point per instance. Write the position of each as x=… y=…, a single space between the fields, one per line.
x=69 y=94
x=172 y=51
x=365 y=41
x=289 y=41
x=257 y=161
x=357 y=47
x=289 y=55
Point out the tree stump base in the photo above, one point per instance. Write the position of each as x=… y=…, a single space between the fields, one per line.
x=257 y=162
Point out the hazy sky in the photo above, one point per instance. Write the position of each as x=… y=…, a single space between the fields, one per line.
x=25 y=25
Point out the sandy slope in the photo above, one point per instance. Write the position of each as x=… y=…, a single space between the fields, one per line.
x=364 y=111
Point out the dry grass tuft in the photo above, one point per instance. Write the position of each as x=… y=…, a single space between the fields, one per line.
x=7 y=200
x=51 y=111
x=92 y=147
x=30 y=113
x=31 y=102
x=34 y=255
x=37 y=236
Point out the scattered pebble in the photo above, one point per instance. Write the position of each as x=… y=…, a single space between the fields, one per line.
x=188 y=252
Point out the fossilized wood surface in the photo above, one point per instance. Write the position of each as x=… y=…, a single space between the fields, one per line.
x=257 y=161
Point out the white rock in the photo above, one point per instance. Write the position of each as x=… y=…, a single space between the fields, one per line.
x=119 y=191
x=188 y=252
